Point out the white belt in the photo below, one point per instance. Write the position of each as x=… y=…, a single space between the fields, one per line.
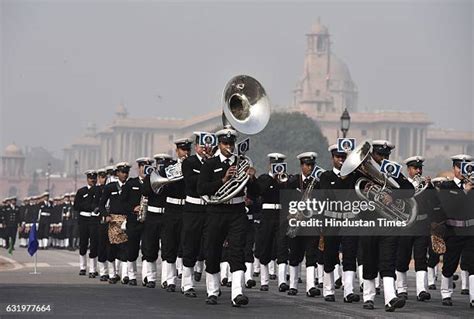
x=460 y=223
x=176 y=201
x=338 y=215
x=85 y=214
x=195 y=200
x=95 y=214
x=422 y=217
x=235 y=200
x=158 y=210
x=271 y=206
x=45 y=214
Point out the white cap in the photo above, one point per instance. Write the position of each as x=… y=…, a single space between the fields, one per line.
x=162 y=156
x=90 y=172
x=332 y=147
x=462 y=157
x=276 y=156
x=414 y=159
x=144 y=159
x=307 y=156
x=383 y=143
x=226 y=132
x=123 y=164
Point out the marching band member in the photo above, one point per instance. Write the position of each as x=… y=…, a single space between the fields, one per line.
x=194 y=217
x=83 y=204
x=417 y=244
x=116 y=218
x=102 y=229
x=44 y=220
x=171 y=235
x=302 y=246
x=153 y=228
x=131 y=198
x=269 y=186
x=457 y=200
x=225 y=220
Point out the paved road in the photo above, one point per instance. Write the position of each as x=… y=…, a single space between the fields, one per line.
x=59 y=285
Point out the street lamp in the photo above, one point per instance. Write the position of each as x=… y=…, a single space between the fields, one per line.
x=345 y=122
x=48 y=174
x=76 y=164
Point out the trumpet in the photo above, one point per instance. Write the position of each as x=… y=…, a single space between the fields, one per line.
x=420 y=183
x=282 y=177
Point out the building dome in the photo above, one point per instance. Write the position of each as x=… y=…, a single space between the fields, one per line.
x=121 y=111
x=13 y=150
x=339 y=70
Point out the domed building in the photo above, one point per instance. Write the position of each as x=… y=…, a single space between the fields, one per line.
x=13 y=162
x=326 y=84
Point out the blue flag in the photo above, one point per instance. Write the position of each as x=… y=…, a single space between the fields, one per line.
x=32 y=241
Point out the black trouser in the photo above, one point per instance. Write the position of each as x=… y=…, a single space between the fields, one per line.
x=331 y=252
x=249 y=242
x=152 y=229
x=350 y=245
x=416 y=244
x=433 y=258
x=10 y=232
x=301 y=246
x=455 y=247
x=102 y=242
x=283 y=245
x=43 y=229
x=134 y=234
x=219 y=227
x=171 y=235
x=268 y=234
x=193 y=232
x=117 y=251
x=88 y=232
x=379 y=255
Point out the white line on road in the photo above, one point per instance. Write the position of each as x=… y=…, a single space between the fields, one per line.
x=16 y=265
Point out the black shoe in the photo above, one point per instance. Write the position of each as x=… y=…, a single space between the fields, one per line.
x=150 y=284
x=455 y=277
x=256 y=274
x=240 y=300
x=211 y=300
x=369 y=305
x=313 y=292
x=361 y=288
x=394 y=304
x=104 y=278
x=338 y=283
x=190 y=293
x=283 y=287
x=273 y=277
x=125 y=280
x=432 y=287
x=377 y=291
x=171 y=288
x=229 y=284
x=292 y=292
x=330 y=298
x=423 y=296
x=471 y=304
x=82 y=272
x=300 y=281
x=264 y=288
x=224 y=282
x=403 y=295
x=447 y=302
x=465 y=292
x=132 y=282
x=92 y=275
x=197 y=276
x=320 y=285
x=114 y=279
x=350 y=298
x=180 y=276
x=250 y=283
x=164 y=285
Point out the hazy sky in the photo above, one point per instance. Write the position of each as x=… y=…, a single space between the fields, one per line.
x=67 y=63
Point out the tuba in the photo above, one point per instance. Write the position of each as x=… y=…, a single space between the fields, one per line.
x=246 y=108
x=375 y=185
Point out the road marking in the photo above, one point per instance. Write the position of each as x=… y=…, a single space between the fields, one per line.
x=73 y=264
x=43 y=265
x=16 y=265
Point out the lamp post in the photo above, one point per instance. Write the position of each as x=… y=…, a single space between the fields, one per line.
x=76 y=164
x=48 y=176
x=345 y=122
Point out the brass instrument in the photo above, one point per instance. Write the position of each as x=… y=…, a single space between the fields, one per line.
x=374 y=186
x=420 y=183
x=173 y=174
x=282 y=177
x=246 y=108
x=143 y=210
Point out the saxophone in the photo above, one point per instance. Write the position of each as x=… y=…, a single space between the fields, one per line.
x=142 y=211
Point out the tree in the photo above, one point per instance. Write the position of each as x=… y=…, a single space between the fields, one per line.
x=290 y=134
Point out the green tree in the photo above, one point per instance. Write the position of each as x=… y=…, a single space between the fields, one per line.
x=290 y=134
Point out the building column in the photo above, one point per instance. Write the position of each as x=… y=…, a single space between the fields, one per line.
x=410 y=142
